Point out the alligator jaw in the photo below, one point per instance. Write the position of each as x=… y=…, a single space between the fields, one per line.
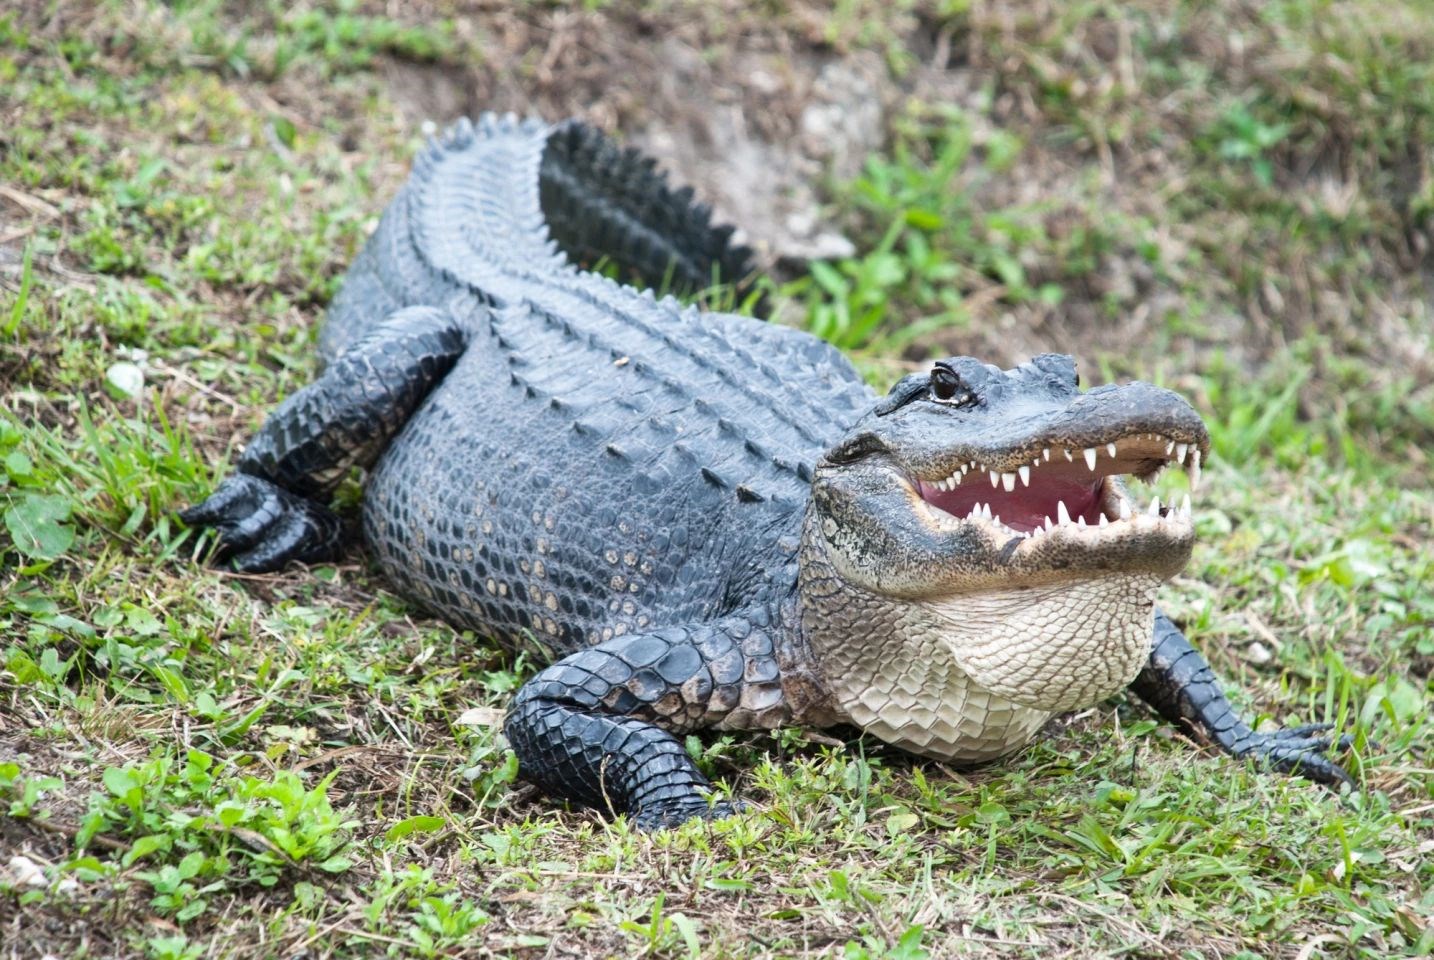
x=1030 y=494
x=972 y=479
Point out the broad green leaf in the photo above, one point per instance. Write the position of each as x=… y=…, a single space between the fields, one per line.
x=37 y=526
x=18 y=465
x=119 y=781
x=416 y=824
x=284 y=130
x=189 y=866
x=909 y=946
x=146 y=845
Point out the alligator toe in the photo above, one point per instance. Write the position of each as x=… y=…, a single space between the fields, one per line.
x=1311 y=732
x=674 y=813
x=260 y=527
x=1302 y=752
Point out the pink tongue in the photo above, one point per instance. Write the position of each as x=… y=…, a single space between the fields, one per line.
x=1024 y=508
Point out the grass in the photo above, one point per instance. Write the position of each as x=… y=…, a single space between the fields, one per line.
x=1232 y=199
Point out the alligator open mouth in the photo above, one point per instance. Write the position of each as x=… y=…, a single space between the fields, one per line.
x=1043 y=488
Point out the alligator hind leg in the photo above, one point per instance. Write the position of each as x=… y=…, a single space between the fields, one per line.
x=1180 y=685
x=597 y=727
x=272 y=511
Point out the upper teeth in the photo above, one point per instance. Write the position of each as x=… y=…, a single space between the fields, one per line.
x=1181 y=452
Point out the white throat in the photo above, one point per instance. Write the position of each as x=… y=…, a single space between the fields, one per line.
x=971 y=677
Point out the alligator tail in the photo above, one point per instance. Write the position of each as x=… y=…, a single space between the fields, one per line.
x=505 y=208
x=603 y=203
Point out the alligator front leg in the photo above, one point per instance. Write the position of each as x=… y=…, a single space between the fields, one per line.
x=1180 y=685
x=597 y=727
x=273 y=510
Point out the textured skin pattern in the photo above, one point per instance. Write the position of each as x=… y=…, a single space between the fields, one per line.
x=972 y=677
x=620 y=210
x=625 y=486
x=264 y=512
x=363 y=399
x=674 y=447
x=587 y=722
x=1054 y=648
x=900 y=682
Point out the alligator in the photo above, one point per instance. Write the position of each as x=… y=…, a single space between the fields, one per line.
x=708 y=521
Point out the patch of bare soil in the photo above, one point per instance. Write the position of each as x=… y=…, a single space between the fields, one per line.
x=731 y=102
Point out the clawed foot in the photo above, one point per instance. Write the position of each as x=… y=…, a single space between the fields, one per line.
x=664 y=816
x=261 y=526
x=1299 y=750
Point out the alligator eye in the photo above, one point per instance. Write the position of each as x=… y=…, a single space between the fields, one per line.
x=946 y=387
x=944 y=383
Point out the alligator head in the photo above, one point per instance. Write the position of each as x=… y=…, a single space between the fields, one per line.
x=977 y=523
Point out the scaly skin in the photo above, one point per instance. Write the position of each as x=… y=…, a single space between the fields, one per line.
x=706 y=521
